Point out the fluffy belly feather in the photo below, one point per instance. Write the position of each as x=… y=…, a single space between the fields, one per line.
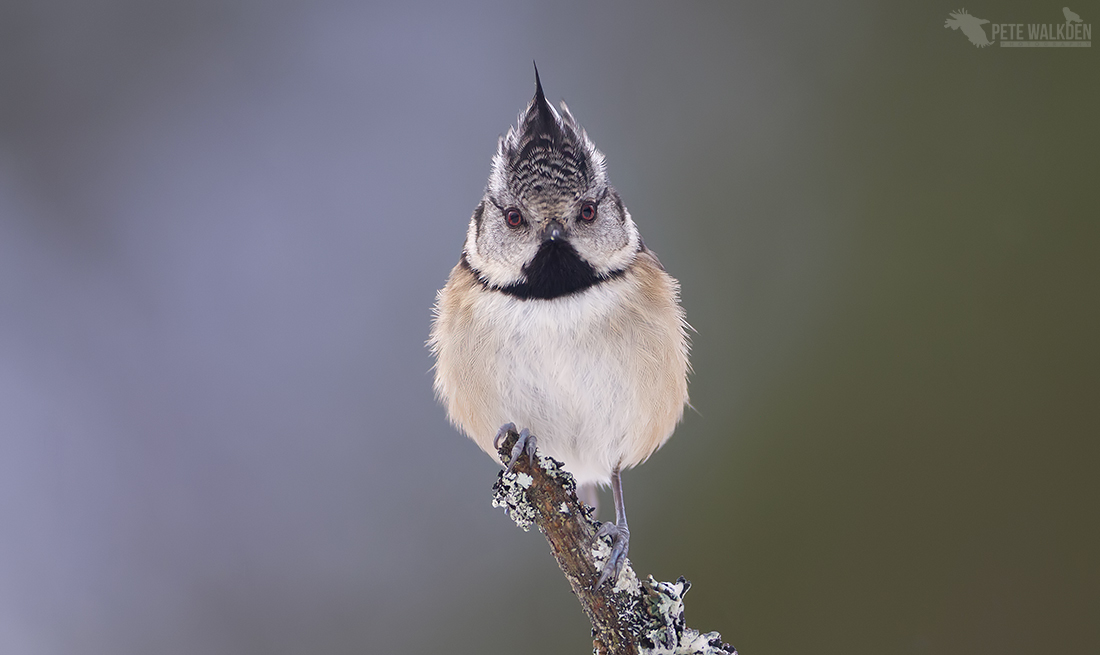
x=599 y=377
x=566 y=372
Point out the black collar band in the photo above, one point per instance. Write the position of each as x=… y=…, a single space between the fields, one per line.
x=556 y=271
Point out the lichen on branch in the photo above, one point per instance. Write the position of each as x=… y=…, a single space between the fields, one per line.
x=629 y=616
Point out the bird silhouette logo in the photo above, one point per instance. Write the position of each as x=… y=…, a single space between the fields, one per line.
x=1071 y=17
x=971 y=26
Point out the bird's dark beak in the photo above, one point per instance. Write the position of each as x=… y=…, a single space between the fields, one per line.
x=554 y=231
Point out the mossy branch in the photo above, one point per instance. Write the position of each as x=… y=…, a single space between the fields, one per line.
x=629 y=616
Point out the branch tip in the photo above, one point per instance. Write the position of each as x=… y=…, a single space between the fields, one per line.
x=630 y=616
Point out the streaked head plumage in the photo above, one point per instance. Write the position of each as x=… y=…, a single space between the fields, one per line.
x=548 y=178
x=546 y=155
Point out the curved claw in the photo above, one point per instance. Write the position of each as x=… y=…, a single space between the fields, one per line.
x=620 y=545
x=502 y=433
x=525 y=443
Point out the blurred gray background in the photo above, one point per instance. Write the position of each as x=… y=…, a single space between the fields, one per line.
x=222 y=226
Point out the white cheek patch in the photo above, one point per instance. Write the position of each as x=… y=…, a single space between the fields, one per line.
x=607 y=258
x=493 y=265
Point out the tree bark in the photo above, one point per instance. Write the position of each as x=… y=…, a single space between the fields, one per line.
x=629 y=616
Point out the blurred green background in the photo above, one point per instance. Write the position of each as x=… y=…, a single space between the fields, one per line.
x=221 y=231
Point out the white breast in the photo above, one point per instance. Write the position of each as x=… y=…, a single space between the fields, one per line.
x=564 y=372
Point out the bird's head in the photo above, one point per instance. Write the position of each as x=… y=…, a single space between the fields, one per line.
x=549 y=223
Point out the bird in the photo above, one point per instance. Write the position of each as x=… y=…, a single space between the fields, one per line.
x=1071 y=16
x=559 y=319
x=971 y=26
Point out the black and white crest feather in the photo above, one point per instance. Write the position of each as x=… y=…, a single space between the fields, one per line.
x=547 y=156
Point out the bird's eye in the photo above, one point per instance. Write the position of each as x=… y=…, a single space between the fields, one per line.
x=513 y=217
x=588 y=212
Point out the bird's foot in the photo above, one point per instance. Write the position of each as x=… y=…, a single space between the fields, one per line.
x=525 y=443
x=620 y=544
x=502 y=433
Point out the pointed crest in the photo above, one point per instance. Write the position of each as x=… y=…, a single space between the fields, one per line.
x=547 y=150
x=540 y=124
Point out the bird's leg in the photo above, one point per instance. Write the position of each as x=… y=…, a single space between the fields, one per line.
x=619 y=532
x=526 y=442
